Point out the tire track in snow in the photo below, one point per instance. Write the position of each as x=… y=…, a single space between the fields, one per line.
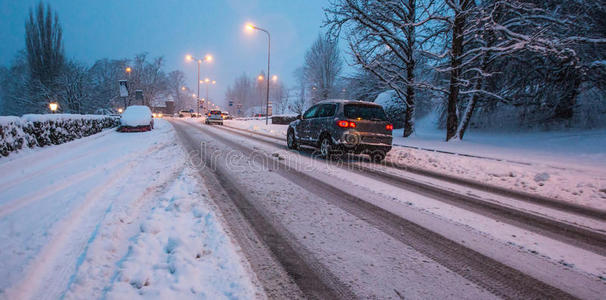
x=72 y=159
x=45 y=263
x=498 y=278
x=127 y=225
x=70 y=181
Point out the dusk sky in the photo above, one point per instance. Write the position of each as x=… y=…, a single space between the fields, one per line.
x=120 y=29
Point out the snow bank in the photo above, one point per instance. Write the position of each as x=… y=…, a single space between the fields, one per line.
x=42 y=130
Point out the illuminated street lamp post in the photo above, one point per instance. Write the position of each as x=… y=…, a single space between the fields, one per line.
x=207 y=58
x=128 y=70
x=208 y=82
x=251 y=27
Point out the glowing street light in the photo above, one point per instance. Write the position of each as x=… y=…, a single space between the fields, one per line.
x=260 y=77
x=207 y=58
x=53 y=106
x=208 y=82
x=120 y=110
x=183 y=88
x=250 y=27
x=274 y=78
x=128 y=70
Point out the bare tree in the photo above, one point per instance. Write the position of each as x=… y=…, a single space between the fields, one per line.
x=382 y=37
x=176 y=87
x=74 y=88
x=322 y=67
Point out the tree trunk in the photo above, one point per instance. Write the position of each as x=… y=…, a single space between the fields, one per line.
x=455 y=73
x=409 y=118
x=565 y=108
x=471 y=106
x=409 y=115
x=467 y=116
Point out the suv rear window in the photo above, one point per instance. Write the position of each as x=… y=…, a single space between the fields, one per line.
x=215 y=112
x=364 y=112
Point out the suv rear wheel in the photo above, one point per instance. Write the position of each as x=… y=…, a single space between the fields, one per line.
x=326 y=147
x=377 y=156
x=291 y=142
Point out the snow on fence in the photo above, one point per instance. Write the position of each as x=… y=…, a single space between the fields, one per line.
x=42 y=130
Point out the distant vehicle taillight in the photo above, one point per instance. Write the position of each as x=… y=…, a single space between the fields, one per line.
x=346 y=124
x=389 y=127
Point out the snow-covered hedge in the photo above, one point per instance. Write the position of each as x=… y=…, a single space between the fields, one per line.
x=43 y=130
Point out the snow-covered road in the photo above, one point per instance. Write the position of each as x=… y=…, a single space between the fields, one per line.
x=114 y=215
x=358 y=229
x=195 y=211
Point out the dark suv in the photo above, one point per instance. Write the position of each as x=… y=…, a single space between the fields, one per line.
x=339 y=126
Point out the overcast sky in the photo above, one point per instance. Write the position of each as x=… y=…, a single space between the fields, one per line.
x=171 y=28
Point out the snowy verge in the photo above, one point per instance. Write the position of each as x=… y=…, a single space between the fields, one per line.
x=181 y=252
x=42 y=130
x=102 y=216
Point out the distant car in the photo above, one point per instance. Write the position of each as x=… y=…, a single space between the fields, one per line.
x=225 y=115
x=341 y=126
x=214 y=117
x=136 y=118
x=186 y=114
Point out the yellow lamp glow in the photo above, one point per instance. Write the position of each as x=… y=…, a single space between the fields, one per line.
x=249 y=27
x=53 y=106
x=188 y=57
x=128 y=69
x=260 y=77
x=120 y=110
x=208 y=57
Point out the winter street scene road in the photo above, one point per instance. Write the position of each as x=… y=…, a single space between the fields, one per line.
x=343 y=149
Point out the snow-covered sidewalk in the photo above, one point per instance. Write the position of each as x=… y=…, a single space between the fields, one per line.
x=554 y=171
x=115 y=215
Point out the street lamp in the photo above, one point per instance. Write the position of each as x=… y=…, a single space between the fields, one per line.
x=53 y=106
x=207 y=58
x=251 y=27
x=120 y=110
x=208 y=82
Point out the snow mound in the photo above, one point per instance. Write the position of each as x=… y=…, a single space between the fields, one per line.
x=136 y=115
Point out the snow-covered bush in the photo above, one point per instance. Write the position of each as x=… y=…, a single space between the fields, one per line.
x=43 y=130
x=394 y=108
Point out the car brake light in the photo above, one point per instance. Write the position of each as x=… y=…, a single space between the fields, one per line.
x=346 y=124
x=389 y=127
x=342 y=124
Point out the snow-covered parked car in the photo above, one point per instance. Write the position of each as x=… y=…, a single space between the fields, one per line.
x=136 y=118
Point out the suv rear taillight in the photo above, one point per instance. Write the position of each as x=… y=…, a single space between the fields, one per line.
x=389 y=127
x=346 y=124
